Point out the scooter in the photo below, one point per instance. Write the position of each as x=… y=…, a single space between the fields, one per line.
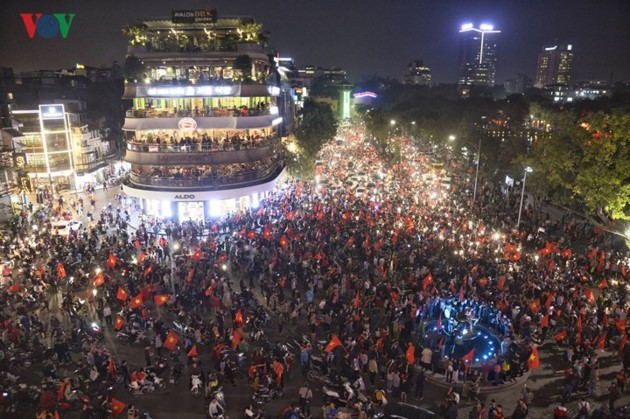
x=196 y=386
x=266 y=394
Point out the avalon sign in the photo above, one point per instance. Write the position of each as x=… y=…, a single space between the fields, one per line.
x=185 y=196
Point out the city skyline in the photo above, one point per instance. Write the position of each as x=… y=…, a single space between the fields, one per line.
x=346 y=35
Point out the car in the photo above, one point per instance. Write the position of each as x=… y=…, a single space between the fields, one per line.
x=63 y=227
x=397 y=410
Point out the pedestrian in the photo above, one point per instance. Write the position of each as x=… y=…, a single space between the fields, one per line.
x=419 y=391
x=613 y=395
x=158 y=344
x=306 y=395
x=147 y=355
x=520 y=412
x=622 y=378
x=107 y=313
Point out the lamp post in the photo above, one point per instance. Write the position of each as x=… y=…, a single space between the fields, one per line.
x=520 y=208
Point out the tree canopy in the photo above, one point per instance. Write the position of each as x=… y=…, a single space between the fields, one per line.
x=317 y=126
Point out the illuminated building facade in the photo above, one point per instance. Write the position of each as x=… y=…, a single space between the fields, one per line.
x=56 y=149
x=554 y=66
x=418 y=73
x=477 y=55
x=202 y=135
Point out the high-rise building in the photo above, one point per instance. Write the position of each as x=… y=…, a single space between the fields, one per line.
x=208 y=105
x=418 y=73
x=477 y=55
x=554 y=65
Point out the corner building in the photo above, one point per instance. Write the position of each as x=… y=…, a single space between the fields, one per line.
x=202 y=136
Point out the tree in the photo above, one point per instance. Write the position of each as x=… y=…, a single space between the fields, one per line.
x=587 y=158
x=134 y=68
x=243 y=63
x=317 y=126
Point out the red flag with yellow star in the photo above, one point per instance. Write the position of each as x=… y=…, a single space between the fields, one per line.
x=121 y=294
x=117 y=407
x=61 y=270
x=111 y=261
x=533 y=361
x=193 y=352
x=136 y=301
x=119 y=323
x=161 y=299
x=99 y=280
x=171 y=340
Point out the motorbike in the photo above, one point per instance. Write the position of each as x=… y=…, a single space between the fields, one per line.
x=347 y=395
x=196 y=386
x=266 y=394
x=137 y=388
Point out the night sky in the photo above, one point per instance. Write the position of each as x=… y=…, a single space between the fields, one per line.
x=362 y=36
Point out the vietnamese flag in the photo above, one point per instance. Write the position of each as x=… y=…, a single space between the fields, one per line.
x=560 y=335
x=13 y=288
x=602 y=341
x=578 y=324
x=136 y=301
x=621 y=324
x=603 y=284
x=267 y=233
x=251 y=235
x=426 y=281
x=118 y=324
x=111 y=367
x=209 y=291
x=588 y=293
x=148 y=270
x=121 y=294
x=501 y=282
x=468 y=358
x=236 y=338
x=171 y=340
x=238 y=319
x=334 y=342
x=111 y=261
x=243 y=231
x=193 y=352
x=284 y=242
x=197 y=255
x=623 y=342
x=136 y=244
x=61 y=271
x=549 y=301
x=161 y=299
x=356 y=302
x=260 y=212
x=534 y=360
x=140 y=258
x=99 y=280
x=410 y=354
x=566 y=254
x=544 y=322
x=534 y=306
x=482 y=282
x=117 y=407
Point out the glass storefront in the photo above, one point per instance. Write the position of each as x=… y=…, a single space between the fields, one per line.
x=191 y=211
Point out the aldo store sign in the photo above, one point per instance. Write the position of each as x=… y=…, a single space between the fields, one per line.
x=47 y=26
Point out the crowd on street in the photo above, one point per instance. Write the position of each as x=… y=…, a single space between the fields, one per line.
x=349 y=277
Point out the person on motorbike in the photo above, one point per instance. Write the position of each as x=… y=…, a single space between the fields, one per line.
x=215 y=410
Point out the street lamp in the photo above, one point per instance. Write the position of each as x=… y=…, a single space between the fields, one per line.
x=451 y=138
x=392 y=122
x=520 y=208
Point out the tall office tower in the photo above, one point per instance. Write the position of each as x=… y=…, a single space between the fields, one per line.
x=554 y=65
x=477 y=55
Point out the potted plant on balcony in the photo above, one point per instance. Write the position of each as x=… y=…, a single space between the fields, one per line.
x=134 y=69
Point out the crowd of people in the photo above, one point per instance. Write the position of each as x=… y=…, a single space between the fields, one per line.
x=200 y=142
x=359 y=275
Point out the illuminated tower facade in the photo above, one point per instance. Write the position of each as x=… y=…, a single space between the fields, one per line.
x=554 y=65
x=477 y=55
